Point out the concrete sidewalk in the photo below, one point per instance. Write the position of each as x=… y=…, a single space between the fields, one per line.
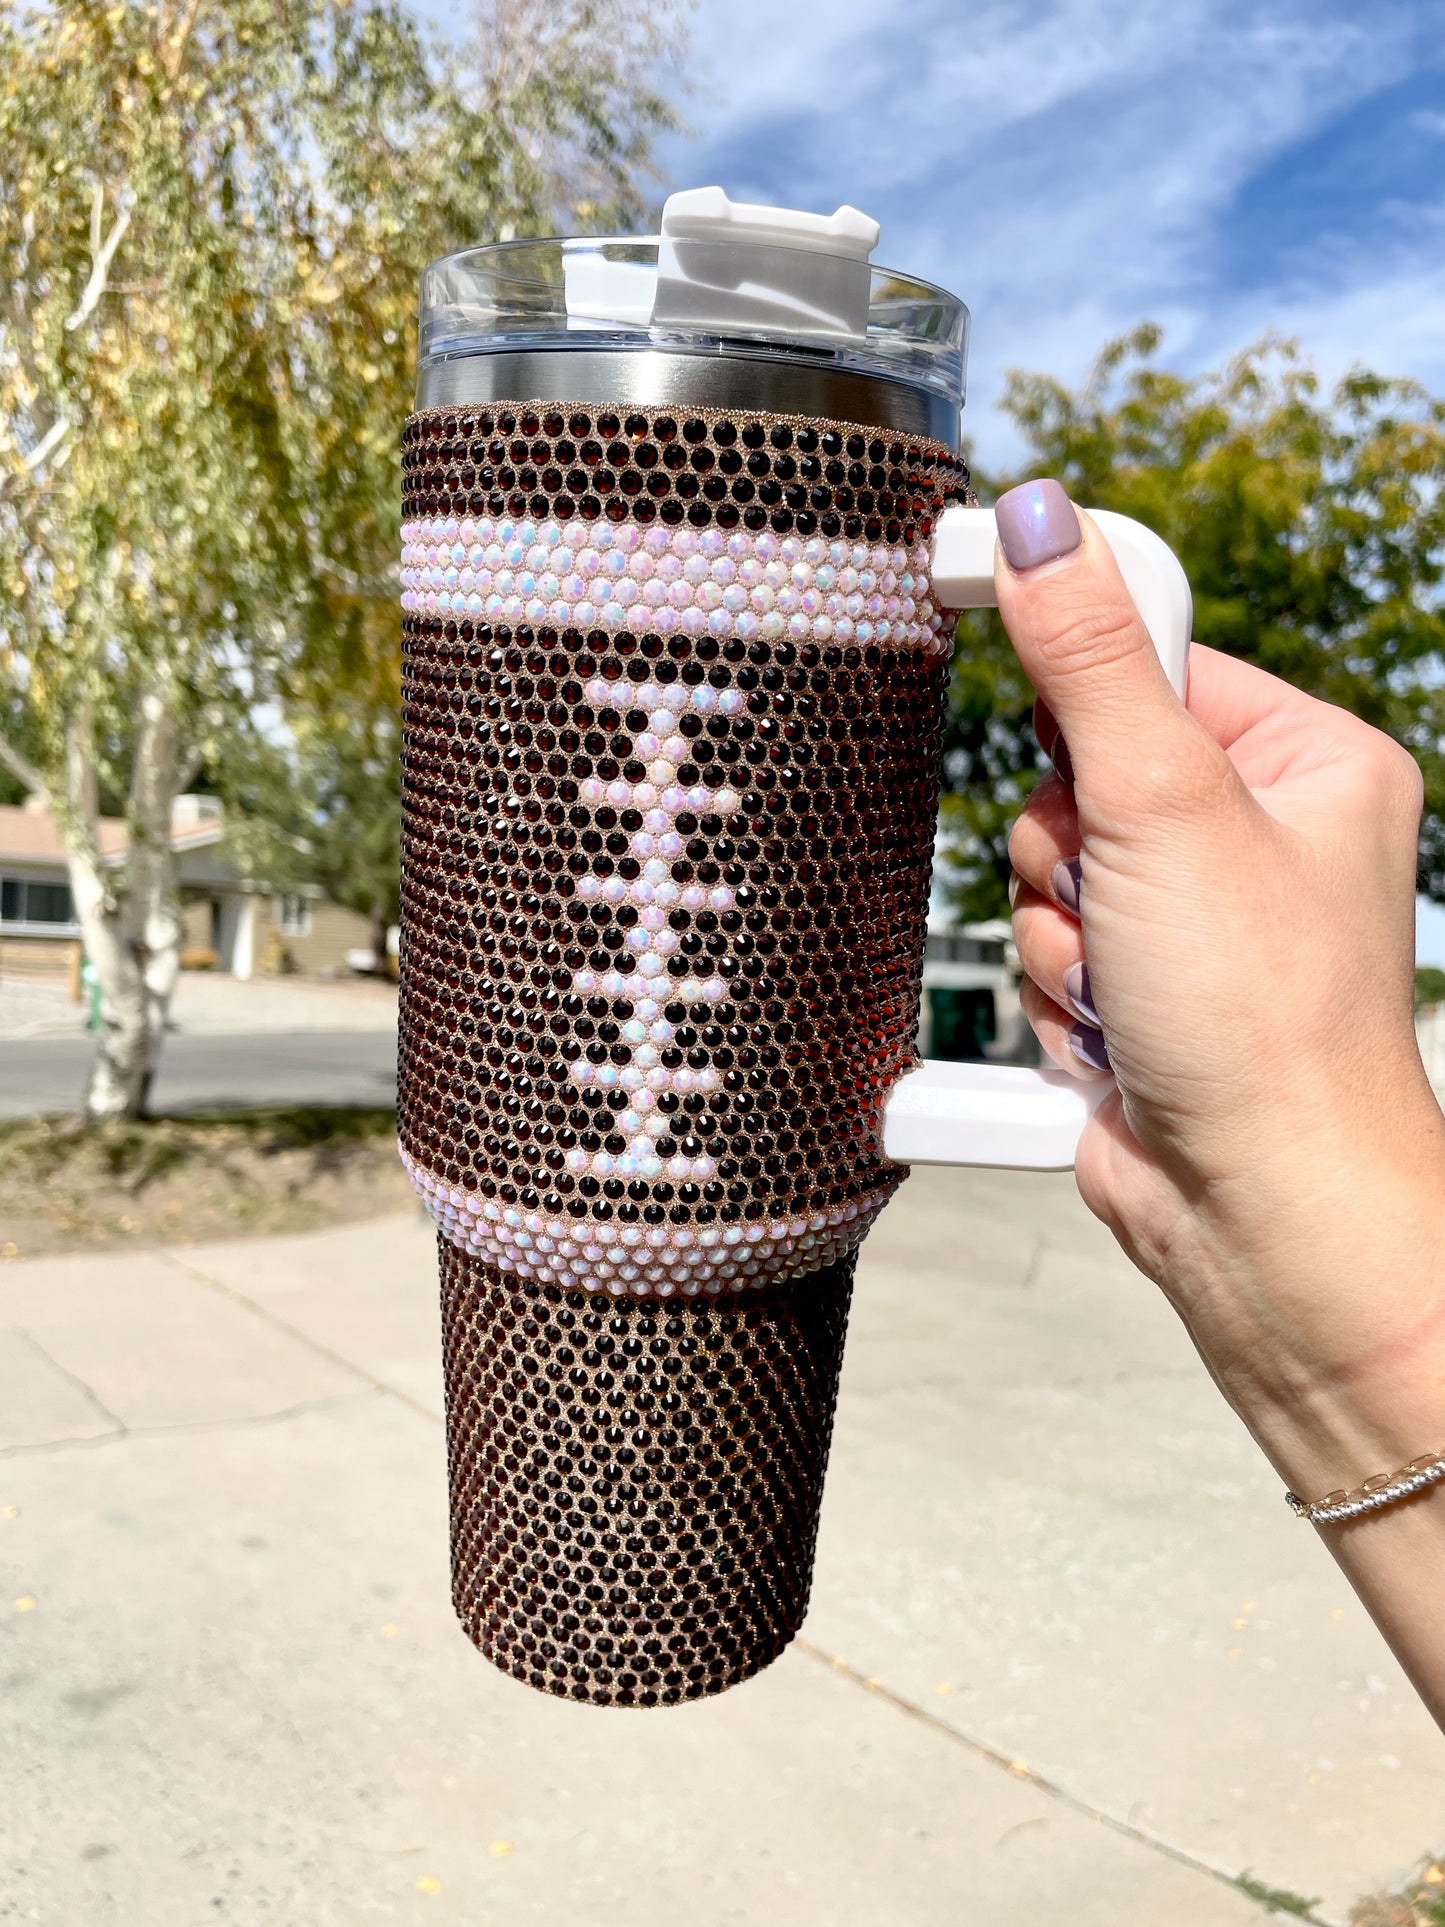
x=1069 y=1658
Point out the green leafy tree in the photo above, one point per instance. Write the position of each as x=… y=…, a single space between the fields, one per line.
x=1311 y=524
x=17 y=728
x=350 y=787
x=566 y=98
x=212 y=218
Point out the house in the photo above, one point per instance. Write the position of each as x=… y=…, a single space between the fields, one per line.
x=970 y=1006
x=233 y=922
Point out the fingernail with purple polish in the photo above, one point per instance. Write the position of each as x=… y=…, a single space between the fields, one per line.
x=1062 y=761
x=1089 y=1047
x=1036 y=523
x=1076 y=989
x=1068 y=882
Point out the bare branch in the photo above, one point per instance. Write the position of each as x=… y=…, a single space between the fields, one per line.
x=21 y=768
x=180 y=34
x=102 y=254
x=56 y=433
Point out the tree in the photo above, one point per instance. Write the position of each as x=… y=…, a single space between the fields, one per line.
x=1312 y=529
x=350 y=792
x=212 y=218
x=570 y=96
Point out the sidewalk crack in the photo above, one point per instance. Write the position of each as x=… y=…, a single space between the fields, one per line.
x=86 y=1390
x=269 y=1317
x=1019 y=1770
x=127 y=1434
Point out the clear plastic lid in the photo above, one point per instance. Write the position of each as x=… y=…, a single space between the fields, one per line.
x=690 y=294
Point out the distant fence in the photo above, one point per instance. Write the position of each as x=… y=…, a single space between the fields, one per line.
x=1430 y=1029
x=40 y=960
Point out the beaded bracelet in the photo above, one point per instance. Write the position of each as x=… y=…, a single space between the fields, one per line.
x=1384 y=1489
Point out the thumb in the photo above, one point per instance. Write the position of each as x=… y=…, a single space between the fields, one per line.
x=1084 y=647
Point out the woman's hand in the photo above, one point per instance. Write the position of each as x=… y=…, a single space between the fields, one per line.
x=1239 y=876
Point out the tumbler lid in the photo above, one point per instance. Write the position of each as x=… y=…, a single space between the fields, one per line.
x=723 y=278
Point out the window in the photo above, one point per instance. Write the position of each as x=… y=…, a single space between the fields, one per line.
x=293 y=913
x=22 y=901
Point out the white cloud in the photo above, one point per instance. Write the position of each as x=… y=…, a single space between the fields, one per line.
x=1065 y=167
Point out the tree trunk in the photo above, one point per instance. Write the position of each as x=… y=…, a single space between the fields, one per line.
x=129 y=917
x=124 y=1063
x=380 y=925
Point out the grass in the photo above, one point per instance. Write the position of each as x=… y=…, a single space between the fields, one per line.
x=1276 y=1900
x=65 y=1187
x=1422 y=1904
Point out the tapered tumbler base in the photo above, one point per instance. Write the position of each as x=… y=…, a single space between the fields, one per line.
x=635 y=1484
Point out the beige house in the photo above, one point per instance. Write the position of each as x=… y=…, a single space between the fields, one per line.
x=234 y=922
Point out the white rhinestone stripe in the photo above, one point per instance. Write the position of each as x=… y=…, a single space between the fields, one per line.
x=669 y=581
x=637 y=1260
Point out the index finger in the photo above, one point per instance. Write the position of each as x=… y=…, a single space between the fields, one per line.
x=1230 y=697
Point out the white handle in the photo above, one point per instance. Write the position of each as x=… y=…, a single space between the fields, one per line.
x=997 y=1114
x=963 y=547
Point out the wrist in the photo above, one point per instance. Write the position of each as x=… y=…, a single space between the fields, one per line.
x=1320 y=1309
x=1331 y=1433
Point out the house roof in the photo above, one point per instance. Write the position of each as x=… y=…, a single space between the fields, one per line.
x=30 y=834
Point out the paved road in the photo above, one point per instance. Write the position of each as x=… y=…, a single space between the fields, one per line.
x=1068 y=1659
x=212 y=1073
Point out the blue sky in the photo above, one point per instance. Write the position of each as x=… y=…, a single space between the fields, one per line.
x=1071 y=167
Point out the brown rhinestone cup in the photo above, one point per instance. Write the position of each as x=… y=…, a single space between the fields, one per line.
x=673 y=693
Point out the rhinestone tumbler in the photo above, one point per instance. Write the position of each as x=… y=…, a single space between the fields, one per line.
x=674 y=679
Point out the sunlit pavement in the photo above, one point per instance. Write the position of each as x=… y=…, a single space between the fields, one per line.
x=1069 y=1658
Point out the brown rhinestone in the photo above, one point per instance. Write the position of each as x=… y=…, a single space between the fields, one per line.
x=558 y=454
x=635 y=1489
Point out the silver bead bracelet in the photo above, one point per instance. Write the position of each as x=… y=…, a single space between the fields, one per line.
x=1384 y=1489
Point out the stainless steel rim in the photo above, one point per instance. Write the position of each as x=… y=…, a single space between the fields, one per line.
x=653 y=378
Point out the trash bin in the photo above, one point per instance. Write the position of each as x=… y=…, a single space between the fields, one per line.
x=90 y=992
